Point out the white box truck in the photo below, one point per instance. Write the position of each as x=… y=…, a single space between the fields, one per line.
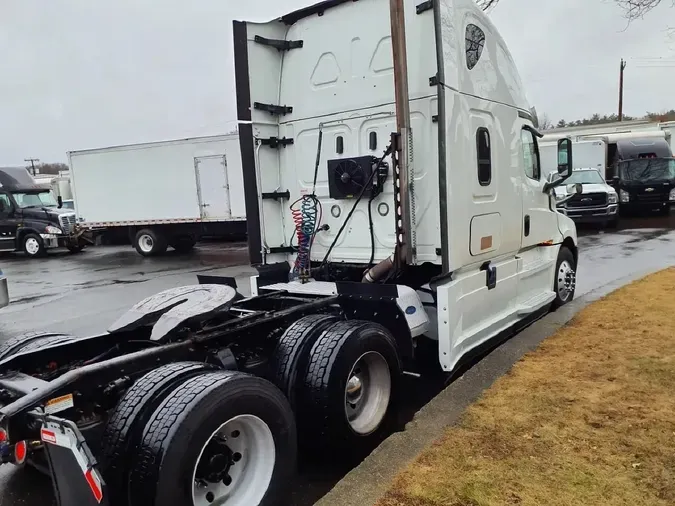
x=161 y=194
x=379 y=232
x=588 y=154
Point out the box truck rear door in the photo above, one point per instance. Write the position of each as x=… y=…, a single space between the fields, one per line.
x=213 y=188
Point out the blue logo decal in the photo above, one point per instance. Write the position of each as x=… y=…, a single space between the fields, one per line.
x=410 y=310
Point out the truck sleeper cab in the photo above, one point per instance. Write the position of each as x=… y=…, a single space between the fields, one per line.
x=200 y=396
x=32 y=220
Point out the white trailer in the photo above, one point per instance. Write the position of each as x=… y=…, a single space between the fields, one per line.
x=588 y=154
x=161 y=194
x=669 y=128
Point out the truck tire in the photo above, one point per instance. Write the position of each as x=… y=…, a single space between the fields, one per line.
x=352 y=374
x=31 y=342
x=565 y=278
x=124 y=428
x=149 y=242
x=291 y=354
x=33 y=245
x=184 y=244
x=225 y=437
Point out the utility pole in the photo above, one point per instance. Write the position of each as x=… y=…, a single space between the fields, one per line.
x=623 y=66
x=32 y=163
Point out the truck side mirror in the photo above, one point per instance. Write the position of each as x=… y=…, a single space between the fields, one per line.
x=59 y=200
x=574 y=189
x=565 y=157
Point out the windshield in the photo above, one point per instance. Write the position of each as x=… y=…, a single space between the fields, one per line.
x=585 y=177
x=580 y=176
x=35 y=199
x=648 y=169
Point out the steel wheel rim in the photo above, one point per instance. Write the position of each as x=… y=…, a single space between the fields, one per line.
x=146 y=243
x=567 y=280
x=367 y=393
x=32 y=246
x=251 y=464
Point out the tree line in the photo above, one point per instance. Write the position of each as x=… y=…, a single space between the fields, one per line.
x=546 y=123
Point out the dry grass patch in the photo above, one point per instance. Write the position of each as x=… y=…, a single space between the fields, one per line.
x=587 y=419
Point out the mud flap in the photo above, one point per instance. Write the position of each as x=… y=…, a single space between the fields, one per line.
x=75 y=476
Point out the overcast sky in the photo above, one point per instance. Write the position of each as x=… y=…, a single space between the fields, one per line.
x=78 y=74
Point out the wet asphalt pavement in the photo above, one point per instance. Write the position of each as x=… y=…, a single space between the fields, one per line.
x=83 y=294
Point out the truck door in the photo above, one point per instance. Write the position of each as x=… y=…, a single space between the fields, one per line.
x=212 y=187
x=539 y=224
x=7 y=225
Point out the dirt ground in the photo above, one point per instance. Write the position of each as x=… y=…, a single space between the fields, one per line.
x=586 y=419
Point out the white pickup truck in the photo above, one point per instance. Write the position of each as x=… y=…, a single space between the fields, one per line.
x=597 y=203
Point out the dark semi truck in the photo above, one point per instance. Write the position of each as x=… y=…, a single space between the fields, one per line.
x=643 y=174
x=32 y=220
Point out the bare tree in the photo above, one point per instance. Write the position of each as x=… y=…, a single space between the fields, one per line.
x=633 y=8
x=545 y=122
x=486 y=4
x=637 y=8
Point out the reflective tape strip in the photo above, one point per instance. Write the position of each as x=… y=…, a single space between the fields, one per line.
x=95 y=484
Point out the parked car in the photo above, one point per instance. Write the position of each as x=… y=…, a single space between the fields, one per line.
x=4 y=292
x=598 y=202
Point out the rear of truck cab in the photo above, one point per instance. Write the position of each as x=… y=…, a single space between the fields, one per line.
x=315 y=100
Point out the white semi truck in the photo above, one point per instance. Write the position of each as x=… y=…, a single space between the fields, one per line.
x=161 y=194
x=395 y=198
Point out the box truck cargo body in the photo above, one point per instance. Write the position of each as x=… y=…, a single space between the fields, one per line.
x=162 y=193
x=588 y=154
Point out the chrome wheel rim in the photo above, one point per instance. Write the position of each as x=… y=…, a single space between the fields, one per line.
x=32 y=246
x=567 y=280
x=236 y=464
x=146 y=243
x=367 y=393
